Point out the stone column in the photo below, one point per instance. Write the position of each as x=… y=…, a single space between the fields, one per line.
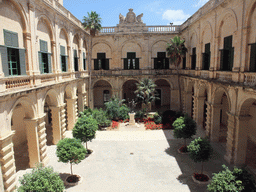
x=91 y=101
x=215 y=123
x=81 y=101
x=187 y=103
x=71 y=113
x=56 y=124
x=199 y=111
x=8 y=167
x=80 y=60
x=174 y=100
x=208 y=119
x=42 y=140
x=69 y=58
x=1 y=179
x=54 y=66
x=27 y=44
x=33 y=141
x=240 y=136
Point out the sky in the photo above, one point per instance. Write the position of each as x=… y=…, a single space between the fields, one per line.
x=155 y=12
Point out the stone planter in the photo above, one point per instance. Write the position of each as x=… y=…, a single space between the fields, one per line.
x=89 y=152
x=68 y=178
x=183 y=153
x=132 y=120
x=201 y=182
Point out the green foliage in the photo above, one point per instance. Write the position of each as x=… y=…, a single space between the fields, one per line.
x=145 y=92
x=92 y=22
x=42 y=179
x=184 y=127
x=123 y=112
x=101 y=117
x=232 y=181
x=157 y=118
x=200 y=150
x=140 y=114
x=85 y=128
x=70 y=150
x=116 y=110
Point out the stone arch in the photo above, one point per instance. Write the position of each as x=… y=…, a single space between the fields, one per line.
x=193 y=40
x=137 y=48
x=102 y=90
x=217 y=94
x=65 y=34
x=163 y=89
x=69 y=91
x=44 y=18
x=106 y=48
x=153 y=50
x=128 y=88
x=30 y=111
x=168 y=80
x=207 y=25
x=102 y=79
x=53 y=96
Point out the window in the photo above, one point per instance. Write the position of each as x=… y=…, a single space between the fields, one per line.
x=131 y=62
x=193 y=58
x=184 y=61
x=161 y=62
x=75 y=60
x=106 y=96
x=84 y=60
x=101 y=62
x=13 y=57
x=206 y=57
x=44 y=58
x=253 y=58
x=227 y=55
x=63 y=59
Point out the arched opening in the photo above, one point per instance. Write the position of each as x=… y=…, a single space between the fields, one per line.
x=128 y=92
x=223 y=119
x=19 y=139
x=48 y=121
x=163 y=94
x=192 y=102
x=205 y=110
x=102 y=92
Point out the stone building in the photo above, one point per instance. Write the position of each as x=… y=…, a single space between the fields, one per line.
x=51 y=68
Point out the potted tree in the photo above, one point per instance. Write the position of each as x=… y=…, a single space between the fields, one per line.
x=176 y=50
x=70 y=150
x=92 y=22
x=237 y=180
x=146 y=92
x=41 y=179
x=185 y=128
x=85 y=129
x=200 y=151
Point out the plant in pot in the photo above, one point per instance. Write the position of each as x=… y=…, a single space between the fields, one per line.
x=185 y=128
x=92 y=22
x=237 y=180
x=200 y=150
x=101 y=117
x=85 y=130
x=70 y=150
x=41 y=179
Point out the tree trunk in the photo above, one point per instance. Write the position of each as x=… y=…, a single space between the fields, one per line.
x=71 y=168
x=179 y=88
x=86 y=145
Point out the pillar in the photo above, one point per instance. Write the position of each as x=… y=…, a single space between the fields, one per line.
x=33 y=141
x=215 y=123
x=81 y=101
x=71 y=113
x=208 y=119
x=54 y=63
x=175 y=100
x=199 y=111
x=187 y=103
x=56 y=124
x=8 y=167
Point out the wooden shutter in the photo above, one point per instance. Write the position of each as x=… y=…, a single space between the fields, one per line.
x=62 y=50
x=184 y=62
x=228 y=42
x=40 y=63
x=207 y=48
x=22 y=57
x=43 y=46
x=203 y=61
x=101 y=55
x=66 y=59
x=161 y=54
x=106 y=64
x=5 y=67
x=253 y=58
x=96 y=64
x=49 y=56
x=15 y=42
x=155 y=63
x=7 y=38
x=125 y=63
x=137 y=63
x=166 y=63
x=231 y=58
x=131 y=55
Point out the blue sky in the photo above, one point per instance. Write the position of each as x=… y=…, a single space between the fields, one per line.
x=155 y=12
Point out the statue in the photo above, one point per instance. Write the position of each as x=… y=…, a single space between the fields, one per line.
x=121 y=18
x=130 y=17
x=139 y=18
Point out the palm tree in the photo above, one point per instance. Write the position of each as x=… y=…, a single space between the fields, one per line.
x=92 y=22
x=176 y=50
x=146 y=92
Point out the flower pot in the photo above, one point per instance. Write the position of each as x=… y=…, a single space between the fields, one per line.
x=181 y=151
x=73 y=180
x=201 y=179
x=89 y=152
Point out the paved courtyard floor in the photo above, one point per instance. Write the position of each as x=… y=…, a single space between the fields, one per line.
x=134 y=160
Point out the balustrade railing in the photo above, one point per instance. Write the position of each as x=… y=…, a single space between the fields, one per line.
x=19 y=81
x=108 y=30
x=163 y=29
x=204 y=74
x=250 y=79
x=224 y=75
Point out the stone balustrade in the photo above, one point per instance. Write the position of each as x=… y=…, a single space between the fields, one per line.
x=163 y=29
x=108 y=30
x=224 y=75
x=20 y=81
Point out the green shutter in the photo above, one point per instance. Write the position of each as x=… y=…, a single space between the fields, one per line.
x=43 y=46
x=166 y=63
x=221 y=59
x=7 y=38
x=5 y=67
x=106 y=64
x=75 y=53
x=101 y=55
x=96 y=65
x=15 y=42
x=22 y=58
x=209 y=60
x=137 y=63
x=84 y=60
x=155 y=63
x=49 y=62
x=253 y=58
x=231 y=58
x=40 y=63
x=184 y=63
x=207 y=48
x=131 y=55
x=203 y=61
x=161 y=54
x=62 y=50
x=66 y=60
x=228 y=42
x=125 y=63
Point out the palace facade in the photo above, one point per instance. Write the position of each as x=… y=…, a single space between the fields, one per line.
x=51 y=68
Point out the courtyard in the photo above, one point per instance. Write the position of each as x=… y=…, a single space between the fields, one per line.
x=132 y=159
